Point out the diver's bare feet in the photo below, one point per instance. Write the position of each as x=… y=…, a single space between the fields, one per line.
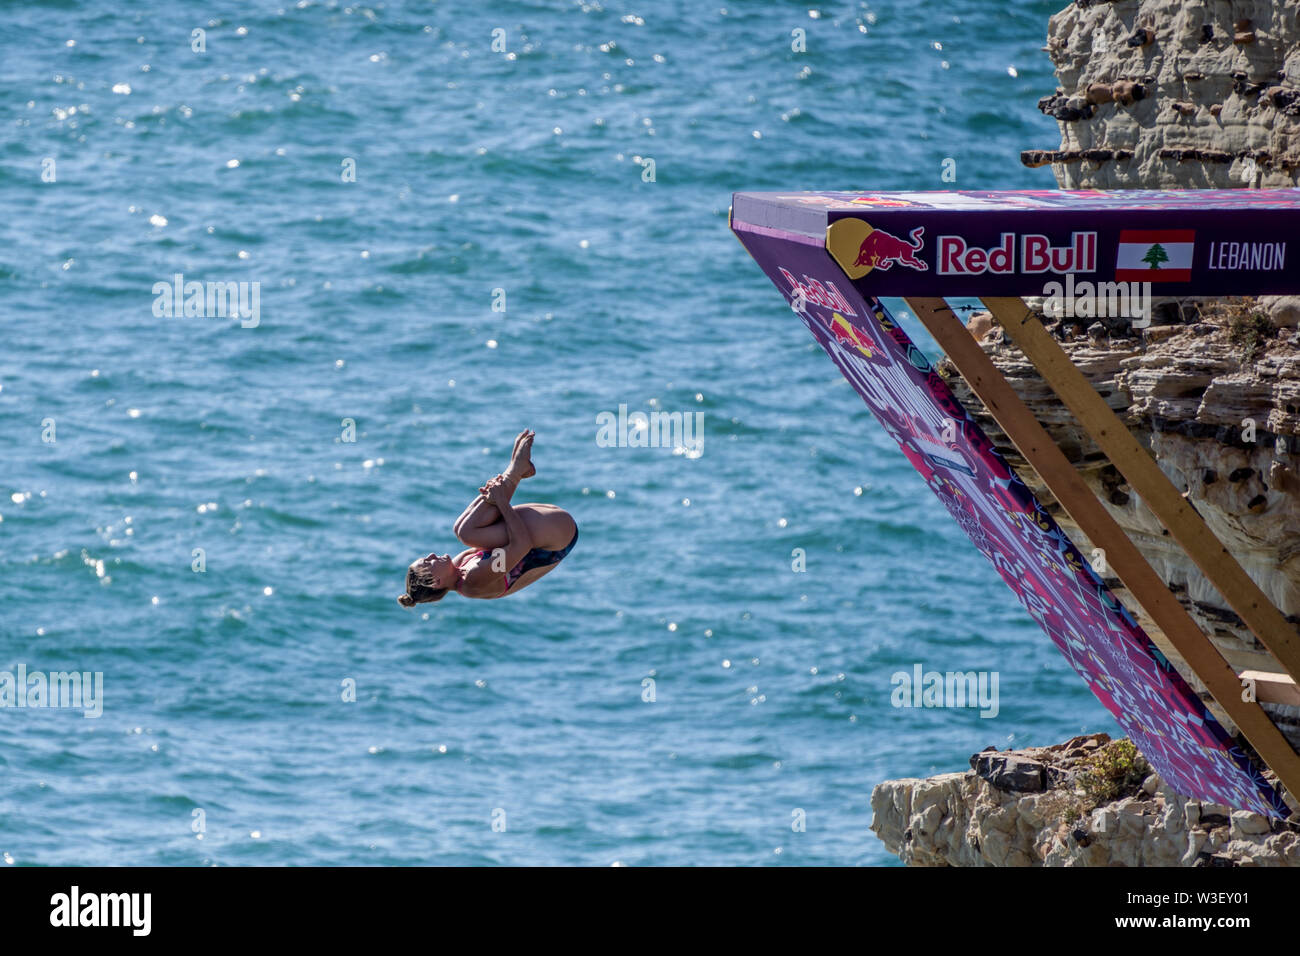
x=521 y=461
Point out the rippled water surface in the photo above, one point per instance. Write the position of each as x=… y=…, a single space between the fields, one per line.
x=475 y=171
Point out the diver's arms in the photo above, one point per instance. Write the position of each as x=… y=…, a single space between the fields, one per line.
x=520 y=539
x=475 y=526
x=479 y=525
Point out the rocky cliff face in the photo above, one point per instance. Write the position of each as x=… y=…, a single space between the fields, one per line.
x=1156 y=94
x=1027 y=808
x=1175 y=93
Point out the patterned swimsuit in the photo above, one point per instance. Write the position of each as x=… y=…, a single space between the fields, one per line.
x=536 y=558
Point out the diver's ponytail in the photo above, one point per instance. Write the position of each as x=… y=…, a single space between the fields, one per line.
x=418 y=591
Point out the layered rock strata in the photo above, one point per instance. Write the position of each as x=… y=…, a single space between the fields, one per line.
x=1174 y=94
x=1022 y=808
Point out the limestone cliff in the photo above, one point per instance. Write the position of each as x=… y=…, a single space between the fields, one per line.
x=1155 y=94
x=1175 y=93
x=1036 y=808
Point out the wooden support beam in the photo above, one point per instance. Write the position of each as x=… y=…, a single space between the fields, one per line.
x=1272 y=688
x=1069 y=488
x=1149 y=482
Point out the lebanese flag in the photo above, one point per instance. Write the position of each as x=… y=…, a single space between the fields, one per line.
x=1155 y=255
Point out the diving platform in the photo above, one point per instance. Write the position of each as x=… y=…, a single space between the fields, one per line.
x=835 y=255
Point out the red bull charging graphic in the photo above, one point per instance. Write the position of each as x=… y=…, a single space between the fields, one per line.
x=881 y=250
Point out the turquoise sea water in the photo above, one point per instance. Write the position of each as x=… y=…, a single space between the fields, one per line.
x=475 y=171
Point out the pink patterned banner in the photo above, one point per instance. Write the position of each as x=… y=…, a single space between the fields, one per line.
x=1121 y=665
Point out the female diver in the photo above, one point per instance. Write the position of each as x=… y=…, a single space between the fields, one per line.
x=508 y=546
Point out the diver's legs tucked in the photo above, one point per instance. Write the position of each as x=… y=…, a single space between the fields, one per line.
x=480 y=514
x=480 y=525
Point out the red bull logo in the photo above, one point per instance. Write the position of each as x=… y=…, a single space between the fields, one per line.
x=881 y=250
x=814 y=292
x=850 y=336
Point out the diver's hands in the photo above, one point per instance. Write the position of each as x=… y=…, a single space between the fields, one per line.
x=497 y=492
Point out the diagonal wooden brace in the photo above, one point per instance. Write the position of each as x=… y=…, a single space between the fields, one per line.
x=1149 y=482
x=1069 y=488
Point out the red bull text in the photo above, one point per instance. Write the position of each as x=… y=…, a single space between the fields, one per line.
x=1037 y=254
